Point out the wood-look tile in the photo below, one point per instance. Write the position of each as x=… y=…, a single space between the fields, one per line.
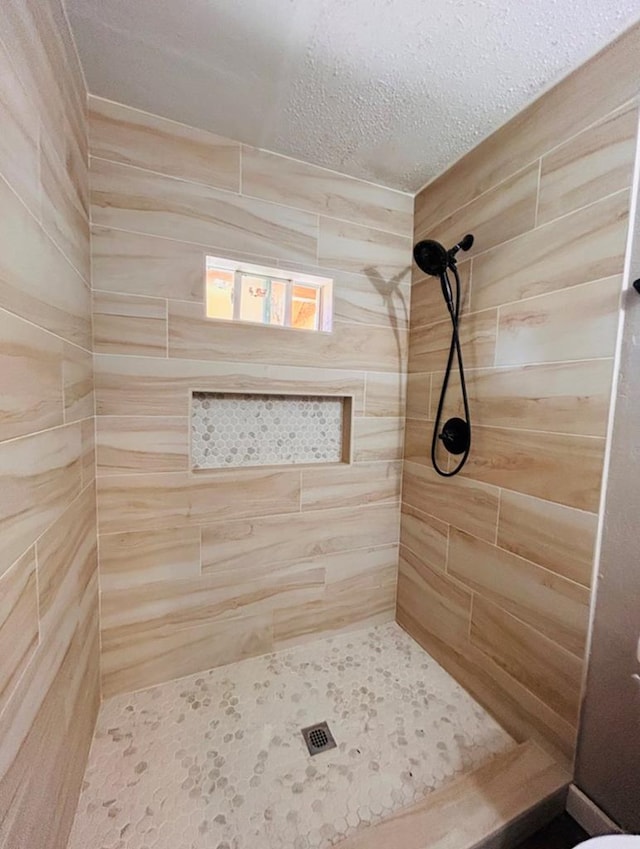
x=293 y=183
x=67 y=561
x=349 y=485
x=468 y=504
x=427 y=303
x=146 y=265
x=145 y=557
x=138 y=502
x=541 y=665
x=19 y=152
x=383 y=257
x=555 y=466
x=30 y=378
x=352 y=346
x=41 y=476
x=576 y=102
x=417 y=443
x=64 y=215
x=498 y=215
x=131 y=137
x=36 y=281
x=555 y=607
x=377 y=438
x=573 y=324
x=385 y=394
x=144 y=202
x=429 y=344
x=280 y=539
x=569 y=397
x=18 y=621
x=429 y=596
x=77 y=369
x=418 y=392
x=586 y=245
x=88 y=444
x=425 y=536
x=142 y=444
x=593 y=164
x=162 y=387
x=559 y=538
x=169 y=653
x=477 y=808
x=128 y=324
x=359 y=299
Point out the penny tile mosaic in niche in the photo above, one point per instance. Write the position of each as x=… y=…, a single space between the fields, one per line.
x=229 y=429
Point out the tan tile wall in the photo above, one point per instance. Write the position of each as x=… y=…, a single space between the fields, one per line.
x=496 y=563
x=49 y=638
x=201 y=569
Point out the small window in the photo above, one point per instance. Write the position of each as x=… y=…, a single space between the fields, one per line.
x=243 y=292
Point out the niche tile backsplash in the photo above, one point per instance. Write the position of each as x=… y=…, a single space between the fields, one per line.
x=231 y=429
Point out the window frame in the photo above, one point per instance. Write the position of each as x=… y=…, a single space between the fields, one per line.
x=322 y=285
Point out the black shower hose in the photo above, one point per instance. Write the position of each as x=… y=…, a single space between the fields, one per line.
x=453 y=305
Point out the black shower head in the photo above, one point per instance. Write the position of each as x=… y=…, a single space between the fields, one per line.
x=434 y=259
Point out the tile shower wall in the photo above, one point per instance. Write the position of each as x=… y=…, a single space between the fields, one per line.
x=49 y=687
x=496 y=563
x=199 y=569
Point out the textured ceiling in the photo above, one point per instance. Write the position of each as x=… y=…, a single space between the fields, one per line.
x=389 y=90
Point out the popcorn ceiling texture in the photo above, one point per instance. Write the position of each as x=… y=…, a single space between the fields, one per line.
x=229 y=429
x=391 y=91
x=217 y=760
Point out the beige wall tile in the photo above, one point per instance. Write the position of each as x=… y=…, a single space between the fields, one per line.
x=418 y=392
x=555 y=607
x=150 y=659
x=377 y=438
x=383 y=257
x=559 y=538
x=145 y=557
x=428 y=595
x=429 y=344
x=596 y=163
x=352 y=346
x=589 y=93
x=541 y=665
x=555 y=466
x=138 y=502
x=131 y=137
x=161 y=387
x=88 y=442
x=127 y=324
x=427 y=303
x=360 y=299
x=385 y=394
x=425 y=536
x=293 y=183
x=142 y=444
x=349 y=485
x=141 y=201
x=572 y=324
x=459 y=501
x=587 y=245
x=146 y=265
x=568 y=397
x=79 y=400
x=18 y=621
x=495 y=217
x=41 y=477
x=280 y=539
x=30 y=378
x=36 y=281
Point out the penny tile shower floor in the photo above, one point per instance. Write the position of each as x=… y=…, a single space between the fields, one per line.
x=217 y=761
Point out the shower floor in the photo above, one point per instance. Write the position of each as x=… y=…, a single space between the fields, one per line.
x=217 y=761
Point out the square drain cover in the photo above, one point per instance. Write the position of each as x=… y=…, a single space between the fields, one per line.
x=318 y=738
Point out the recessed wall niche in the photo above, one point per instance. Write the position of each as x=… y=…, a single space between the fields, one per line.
x=230 y=429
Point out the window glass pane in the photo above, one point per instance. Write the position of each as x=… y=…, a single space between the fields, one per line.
x=278 y=302
x=254 y=299
x=305 y=307
x=220 y=293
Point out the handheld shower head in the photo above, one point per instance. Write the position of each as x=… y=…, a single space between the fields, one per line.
x=434 y=259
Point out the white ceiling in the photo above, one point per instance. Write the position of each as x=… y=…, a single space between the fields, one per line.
x=389 y=90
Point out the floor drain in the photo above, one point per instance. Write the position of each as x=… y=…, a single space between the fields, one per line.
x=318 y=738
